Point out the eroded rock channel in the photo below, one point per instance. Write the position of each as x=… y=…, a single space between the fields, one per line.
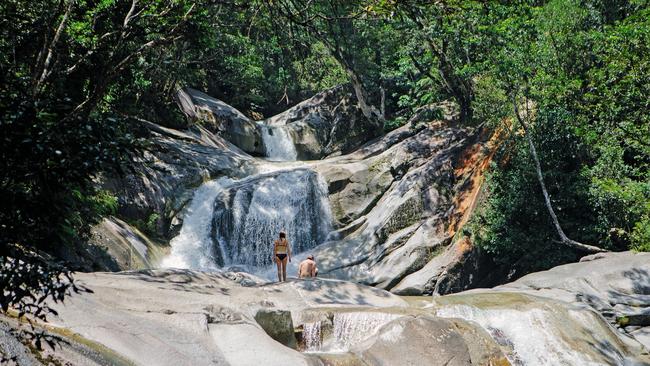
x=380 y=213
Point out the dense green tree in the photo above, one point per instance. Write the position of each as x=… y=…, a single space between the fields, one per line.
x=555 y=59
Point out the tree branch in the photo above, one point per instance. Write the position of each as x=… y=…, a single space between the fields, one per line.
x=45 y=71
x=547 y=199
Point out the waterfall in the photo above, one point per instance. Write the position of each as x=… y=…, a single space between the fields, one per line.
x=278 y=144
x=249 y=215
x=354 y=327
x=193 y=247
x=529 y=333
x=349 y=329
x=311 y=335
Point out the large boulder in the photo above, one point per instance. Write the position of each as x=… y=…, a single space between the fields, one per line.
x=427 y=340
x=222 y=118
x=328 y=123
x=278 y=325
x=397 y=204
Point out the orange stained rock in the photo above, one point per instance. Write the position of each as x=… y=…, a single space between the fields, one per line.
x=470 y=170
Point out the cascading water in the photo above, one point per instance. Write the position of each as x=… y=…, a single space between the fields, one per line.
x=312 y=336
x=530 y=333
x=353 y=327
x=278 y=143
x=349 y=329
x=249 y=215
x=193 y=247
x=234 y=223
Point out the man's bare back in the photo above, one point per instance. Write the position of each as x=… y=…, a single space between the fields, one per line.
x=307 y=268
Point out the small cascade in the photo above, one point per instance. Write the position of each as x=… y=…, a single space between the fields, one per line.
x=528 y=333
x=278 y=144
x=348 y=329
x=249 y=215
x=312 y=336
x=193 y=247
x=354 y=327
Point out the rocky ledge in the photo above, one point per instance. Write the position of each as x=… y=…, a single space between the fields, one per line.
x=181 y=317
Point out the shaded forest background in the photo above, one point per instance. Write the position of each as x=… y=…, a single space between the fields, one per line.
x=78 y=76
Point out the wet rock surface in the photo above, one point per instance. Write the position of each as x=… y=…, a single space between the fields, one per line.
x=171 y=317
x=278 y=325
x=616 y=285
x=328 y=123
x=393 y=201
x=249 y=214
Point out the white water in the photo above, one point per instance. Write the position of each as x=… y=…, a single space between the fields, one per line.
x=350 y=328
x=354 y=327
x=278 y=144
x=249 y=217
x=312 y=337
x=193 y=248
x=528 y=332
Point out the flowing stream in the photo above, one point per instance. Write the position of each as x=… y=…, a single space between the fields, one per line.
x=278 y=143
x=234 y=223
x=193 y=247
x=249 y=216
x=349 y=329
x=532 y=334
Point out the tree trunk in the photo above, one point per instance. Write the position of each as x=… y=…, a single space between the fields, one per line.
x=369 y=111
x=382 y=104
x=45 y=70
x=547 y=199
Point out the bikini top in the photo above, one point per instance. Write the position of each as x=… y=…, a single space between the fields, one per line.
x=281 y=246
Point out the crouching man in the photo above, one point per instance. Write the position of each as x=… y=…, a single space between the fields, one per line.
x=308 y=268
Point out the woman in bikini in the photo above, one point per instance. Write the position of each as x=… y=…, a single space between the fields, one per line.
x=282 y=254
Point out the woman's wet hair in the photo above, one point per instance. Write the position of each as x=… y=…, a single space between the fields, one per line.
x=283 y=235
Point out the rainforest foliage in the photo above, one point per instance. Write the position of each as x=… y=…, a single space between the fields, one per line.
x=78 y=76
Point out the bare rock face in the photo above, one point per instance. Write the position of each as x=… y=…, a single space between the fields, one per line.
x=328 y=123
x=125 y=247
x=174 y=162
x=222 y=119
x=398 y=202
x=426 y=340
